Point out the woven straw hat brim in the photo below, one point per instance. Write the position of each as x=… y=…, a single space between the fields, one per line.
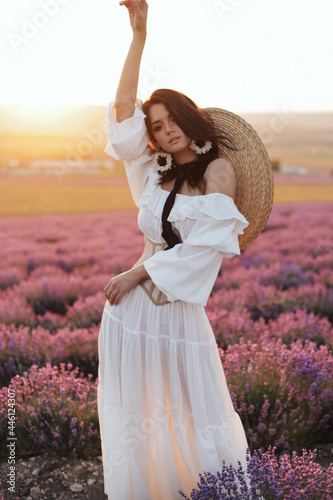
x=255 y=181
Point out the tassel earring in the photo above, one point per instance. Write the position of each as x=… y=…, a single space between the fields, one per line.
x=200 y=146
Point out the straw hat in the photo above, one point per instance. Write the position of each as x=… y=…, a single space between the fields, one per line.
x=255 y=182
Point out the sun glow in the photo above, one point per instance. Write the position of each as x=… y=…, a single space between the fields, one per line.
x=57 y=52
x=36 y=119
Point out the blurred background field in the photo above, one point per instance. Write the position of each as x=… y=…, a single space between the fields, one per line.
x=59 y=166
x=46 y=195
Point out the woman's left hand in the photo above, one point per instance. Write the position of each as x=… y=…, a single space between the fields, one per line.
x=123 y=283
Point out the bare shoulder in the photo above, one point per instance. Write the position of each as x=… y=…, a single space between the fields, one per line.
x=220 y=177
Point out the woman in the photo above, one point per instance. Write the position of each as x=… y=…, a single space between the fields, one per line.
x=164 y=407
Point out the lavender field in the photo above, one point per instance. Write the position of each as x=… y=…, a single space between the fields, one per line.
x=271 y=310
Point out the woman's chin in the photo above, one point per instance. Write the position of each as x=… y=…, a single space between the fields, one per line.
x=177 y=149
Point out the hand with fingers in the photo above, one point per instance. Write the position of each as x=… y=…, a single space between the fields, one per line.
x=138 y=11
x=118 y=286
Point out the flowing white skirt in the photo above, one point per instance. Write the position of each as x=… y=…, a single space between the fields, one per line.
x=164 y=408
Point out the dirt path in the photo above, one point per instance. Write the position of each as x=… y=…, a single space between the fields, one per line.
x=49 y=477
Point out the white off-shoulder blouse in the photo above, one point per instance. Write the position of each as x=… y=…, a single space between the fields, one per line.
x=209 y=225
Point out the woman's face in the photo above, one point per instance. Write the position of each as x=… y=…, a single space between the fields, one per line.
x=166 y=132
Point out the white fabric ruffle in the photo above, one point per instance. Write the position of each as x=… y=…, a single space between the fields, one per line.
x=129 y=141
x=188 y=270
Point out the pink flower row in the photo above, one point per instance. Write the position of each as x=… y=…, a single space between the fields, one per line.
x=283 y=394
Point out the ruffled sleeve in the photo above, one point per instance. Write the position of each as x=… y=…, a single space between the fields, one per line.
x=188 y=271
x=128 y=141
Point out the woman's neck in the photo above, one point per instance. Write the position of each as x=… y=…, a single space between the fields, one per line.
x=184 y=156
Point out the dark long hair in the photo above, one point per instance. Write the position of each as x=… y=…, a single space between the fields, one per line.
x=196 y=123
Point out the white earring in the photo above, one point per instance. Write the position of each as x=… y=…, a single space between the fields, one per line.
x=162 y=161
x=200 y=146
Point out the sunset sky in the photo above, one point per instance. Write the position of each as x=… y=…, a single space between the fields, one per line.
x=242 y=55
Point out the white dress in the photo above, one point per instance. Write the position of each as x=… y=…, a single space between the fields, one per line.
x=164 y=408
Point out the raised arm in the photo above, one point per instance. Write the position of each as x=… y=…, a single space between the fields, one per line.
x=128 y=83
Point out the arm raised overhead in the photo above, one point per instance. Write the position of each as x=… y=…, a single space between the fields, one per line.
x=128 y=83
